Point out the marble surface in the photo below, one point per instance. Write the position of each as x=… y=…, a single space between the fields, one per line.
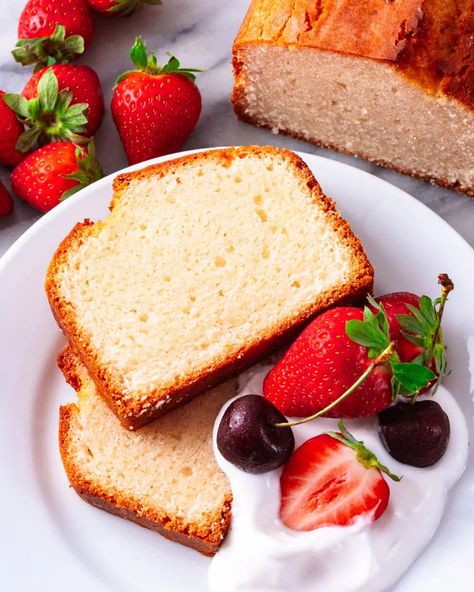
x=200 y=34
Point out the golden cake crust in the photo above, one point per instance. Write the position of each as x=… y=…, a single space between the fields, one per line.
x=431 y=42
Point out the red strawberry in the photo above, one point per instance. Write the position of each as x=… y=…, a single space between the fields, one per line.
x=84 y=84
x=62 y=102
x=331 y=480
x=323 y=363
x=415 y=323
x=342 y=365
x=6 y=202
x=396 y=304
x=53 y=31
x=122 y=7
x=155 y=108
x=53 y=173
x=10 y=130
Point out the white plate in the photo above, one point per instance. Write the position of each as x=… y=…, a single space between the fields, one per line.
x=51 y=540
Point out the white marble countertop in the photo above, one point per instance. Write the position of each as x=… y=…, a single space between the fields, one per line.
x=200 y=34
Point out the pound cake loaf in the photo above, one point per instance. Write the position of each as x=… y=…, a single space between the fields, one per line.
x=204 y=265
x=163 y=477
x=389 y=81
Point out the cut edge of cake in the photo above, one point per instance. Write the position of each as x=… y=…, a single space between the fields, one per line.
x=205 y=537
x=295 y=28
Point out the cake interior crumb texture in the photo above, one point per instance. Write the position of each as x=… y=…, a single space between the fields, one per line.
x=197 y=260
x=403 y=98
x=165 y=473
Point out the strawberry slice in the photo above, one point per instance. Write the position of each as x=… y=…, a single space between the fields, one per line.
x=331 y=480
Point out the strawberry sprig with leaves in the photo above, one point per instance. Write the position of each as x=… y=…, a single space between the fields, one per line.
x=423 y=327
x=50 y=115
x=373 y=332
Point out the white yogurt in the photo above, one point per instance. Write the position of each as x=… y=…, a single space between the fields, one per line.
x=261 y=555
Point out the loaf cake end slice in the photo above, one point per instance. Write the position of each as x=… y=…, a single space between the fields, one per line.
x=204 y=265
x=391 y=82
x=163 y=477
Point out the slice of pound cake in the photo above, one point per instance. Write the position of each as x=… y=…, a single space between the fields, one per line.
x=391 y=81
x=163 y=477
x=204 y=265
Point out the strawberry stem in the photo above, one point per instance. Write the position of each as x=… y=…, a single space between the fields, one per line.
x=447 y=286
x=379 y=361
x=365 y=456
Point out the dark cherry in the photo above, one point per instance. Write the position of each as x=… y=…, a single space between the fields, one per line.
x=415 y=434
x=248 y=438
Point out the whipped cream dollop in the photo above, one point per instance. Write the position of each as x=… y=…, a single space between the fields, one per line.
x=260 y=554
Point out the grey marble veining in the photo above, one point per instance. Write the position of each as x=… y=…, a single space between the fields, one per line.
x=200 y=34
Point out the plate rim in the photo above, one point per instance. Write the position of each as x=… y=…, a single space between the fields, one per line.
x=36 y=231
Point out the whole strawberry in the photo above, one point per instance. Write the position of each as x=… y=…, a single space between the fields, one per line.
x=122 y=7
x=6 y=202
x=155 y=108
x=55 y=172
x=53 y=31
x=415 y=324
x=60 y=102
x=10 y=130
x=345 y=351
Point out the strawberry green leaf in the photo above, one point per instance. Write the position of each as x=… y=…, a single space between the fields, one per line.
x=48 y=90
x=427 y=310
x=71 y=192
x=439 y=356
x=413 y=339
x=59 y=34
x=74 y=45
x=17 y=103
x=411 y=324
x=396 y=386
x=416 y=312
x=34 y=107
x=412 y=377
x=64 y=100
x=88 y=169
x=138 y=54
x=418 y=360
x=28 y=139
x=371 y=333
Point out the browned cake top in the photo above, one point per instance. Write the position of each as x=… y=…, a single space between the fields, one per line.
x=431 y=41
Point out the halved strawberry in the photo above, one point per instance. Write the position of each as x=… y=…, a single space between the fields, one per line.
x=331 y=480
